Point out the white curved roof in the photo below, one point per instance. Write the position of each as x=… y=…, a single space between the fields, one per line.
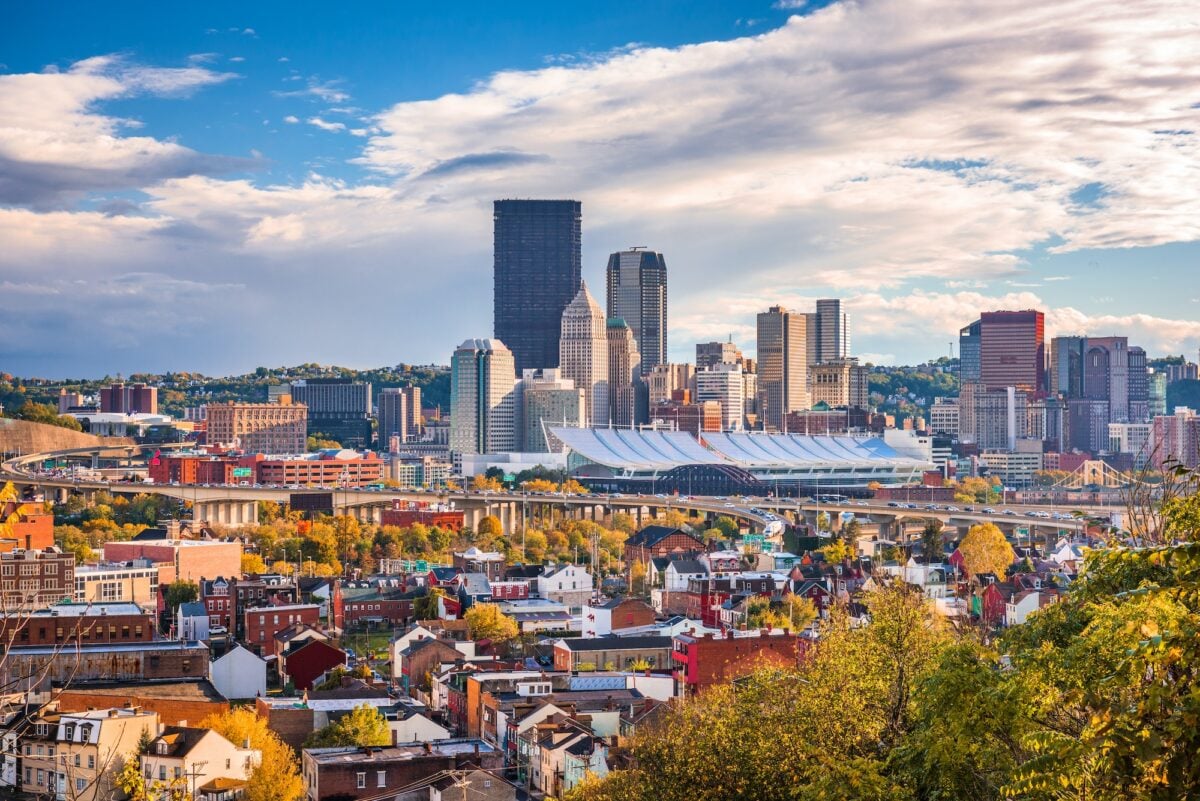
x=662 y=450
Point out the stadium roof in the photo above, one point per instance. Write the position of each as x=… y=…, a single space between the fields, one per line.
x=637 y=450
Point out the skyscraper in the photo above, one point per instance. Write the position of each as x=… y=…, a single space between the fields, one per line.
x=782 y=366
x=1066 y=366
x=537 y=270
x=968 y=354
x=832 y=327
x=392 y=416
x=412 y=404
x=724 y=384
x=583 y=352
x=709 y=354
x=624 y=374
x=482 y=404
x=337 y=408
x=547 y=399
x=1012 y=350
x=637 y=294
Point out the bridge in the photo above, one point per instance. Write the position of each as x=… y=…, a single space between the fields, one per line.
x=236 y=506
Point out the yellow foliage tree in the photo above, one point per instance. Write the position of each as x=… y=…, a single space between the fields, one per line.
x=573 y=487
x=482 y=482
x=539 y=485
x=486 y=621
x=275 y=778
x=985 y=550
x=253 y=563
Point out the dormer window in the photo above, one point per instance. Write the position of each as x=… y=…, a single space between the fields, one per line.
x=162 y=747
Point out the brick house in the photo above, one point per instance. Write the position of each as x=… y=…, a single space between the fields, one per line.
x=262 y=624
x=660 y=541
x=620 y=652
x=255 y=591
x=366 y=604
x=308 y=661
x=701 y=662
x=218 y=600
x=344 y=774
x=421 y=657
x=78 y=623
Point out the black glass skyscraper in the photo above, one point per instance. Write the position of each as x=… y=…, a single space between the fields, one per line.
x=637 y=293
x=537 y=271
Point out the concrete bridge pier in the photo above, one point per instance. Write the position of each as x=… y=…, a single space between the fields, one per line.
x=231 y=514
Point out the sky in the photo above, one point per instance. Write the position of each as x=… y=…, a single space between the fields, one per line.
x=216 y=186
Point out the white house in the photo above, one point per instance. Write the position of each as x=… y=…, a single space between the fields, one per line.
x=680 y=571
x=183 y=757
x=1025 y=603
x=239 y=674
x=570 y=585
x=191 y=621
x=410 y=726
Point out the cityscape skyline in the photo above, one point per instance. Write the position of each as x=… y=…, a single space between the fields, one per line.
x=152 y=185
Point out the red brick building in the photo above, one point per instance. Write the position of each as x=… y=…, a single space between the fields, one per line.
x=660 y=541
x=79 y=623
x=701 y=662
x=263 y=623
x=509 y=590
x=372 y=605
x=192 y=469
x=347 y=773
x=408 y=513
x=325 y=468
x=32 y=579
x=217 y=597
x=176 y=702
x=308 y=661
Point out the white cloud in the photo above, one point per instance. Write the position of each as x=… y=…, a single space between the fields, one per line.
x=789 y=5
x=324 y=125
x=238 y=59
x=283 y=59
x=291 y=119
x=325 y=91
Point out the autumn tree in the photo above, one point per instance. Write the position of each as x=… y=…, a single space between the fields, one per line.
x=181 y=591
x=985 y=550
x=490 y=526
x=933 y=548
x=539 y=485
x=483 y=482
x=276 y=777
x=362 y=726
x=252 y=563
x=573 y=487
x=486 y=621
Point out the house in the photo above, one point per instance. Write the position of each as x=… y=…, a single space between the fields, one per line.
x=71 y=755
x=423 y=655
x=570 y=585
x=374 y=604
x=473 y=560
x=306 y=662
x=216 y=595
x=370 y=771
x=472 y=785
x=294 y=719
x=704 y=660
x=239 y=673
x=413 y=726
x=15 y=719
x=815 y=590
x=989 y=602
x=601 y=619
x=294 y=635
x=680 y=572
x=176 y=701
x=401 y=641
x=261 y=624
x=539 y=614
x=654 y=541
x=221 y=790
x=473 y=588
x=611 y=653
x=566 y=753
x=722 y=561
x=183 y=757
x=191 y=621
x=1024 y=603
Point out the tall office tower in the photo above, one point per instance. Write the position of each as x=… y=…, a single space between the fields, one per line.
x=1139 y=386
x=833 y=331
x=782 y=366
x=943 y=416
x=992 y=419
x=1175 y=439
x=1106 y=377
x=968 y=354
x=637 y=293
x=129 y=398
x=537 y=265
x=482 y=402
x=583 y=350
x=839 y=383
x=276 y=428
x=1066 y=366
x=624 y=375
x=709 y=354
x=392 y=416
x=1012 y=350
x=412 y=405
x=724 y=384
x=337 y=408
x=547 y=399
x=1157 y=393
x=665 y=380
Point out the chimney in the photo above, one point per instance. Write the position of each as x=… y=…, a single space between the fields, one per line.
x=428 y=748
x=246 y=744
x=395 y=738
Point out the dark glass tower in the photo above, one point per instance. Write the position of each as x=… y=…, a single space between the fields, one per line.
x=537 y=271
x=637 y=293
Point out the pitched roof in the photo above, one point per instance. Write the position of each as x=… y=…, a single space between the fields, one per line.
x=686 y=566
x=652 y=535
x=180 y=740
x=578 y=644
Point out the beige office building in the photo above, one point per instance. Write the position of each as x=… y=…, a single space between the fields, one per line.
x=258 y=427
x=583 y=354
x=782 y=366
x=839 y=384
x=624 y=374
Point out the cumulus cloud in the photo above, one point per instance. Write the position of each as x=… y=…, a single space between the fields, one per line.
x=865 y=149
x=291 y=119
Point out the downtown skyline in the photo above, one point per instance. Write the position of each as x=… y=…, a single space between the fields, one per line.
x=202 y=190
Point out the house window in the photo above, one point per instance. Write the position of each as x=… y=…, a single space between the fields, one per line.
x=91 y=761
x=381 y=778
x=80 y=784
x=77 y=760
x=362 y=780
x=162 y=773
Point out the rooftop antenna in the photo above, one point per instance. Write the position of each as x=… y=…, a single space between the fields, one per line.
x=636 y=248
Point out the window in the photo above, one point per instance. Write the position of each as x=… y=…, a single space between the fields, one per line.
x=91 y=761
x=381 y=778
x=362 y=780
x=28 y=775
x=80 y=784
x=178 y=772
x=41 y=777
x=9 y=570
x=162 y=747
x=162 y=773
x=77 y=760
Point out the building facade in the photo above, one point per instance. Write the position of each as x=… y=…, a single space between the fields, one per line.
x=392 y=417
x=337 y=409
x=839 y=383
x=624 y=375
x=258 y=427
x=546 y=397
x=724 y=383
x=782 y=366
x=637 y=294
x=831 y=326
x=583 y=350
x=482 y=398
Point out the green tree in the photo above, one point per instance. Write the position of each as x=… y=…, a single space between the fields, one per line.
x=181 y=591
x=426 y=607
x=363 y=725
x=727 y=526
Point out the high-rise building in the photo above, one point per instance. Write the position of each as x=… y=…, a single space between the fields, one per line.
x=724 y=384
x=337 y=408
x=664 y=380
x=1133 y=439
x=547 y=399
x=1139 y=386
x=943 y=416
x=637 y=294
x=583 y=350
x=537 y=262
x=1106 y=377
x=482 y=398
x=832 y=326
x=839 y=383
x=624 y=375
x=1012 y=351
x=392 y=418
x=709 y=354
x=782 y=366
x=123 y=398
x=1157 y=393
x=968 y=354
x=992 y=419
x=1176 y=439
x=1066 y=366
x=414 y=423
x=258 y=427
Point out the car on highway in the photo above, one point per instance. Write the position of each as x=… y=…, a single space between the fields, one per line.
x=1010 y=513
x=894 y=504
x=952 y=509
x=987 y=510
x=731 y=506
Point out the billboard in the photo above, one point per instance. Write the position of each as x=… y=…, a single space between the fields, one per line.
x=242 y=472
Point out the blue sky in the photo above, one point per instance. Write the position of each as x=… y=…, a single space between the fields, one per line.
x=216 y=186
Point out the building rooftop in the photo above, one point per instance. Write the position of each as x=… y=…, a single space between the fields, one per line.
x=352 y=755
x=576 y=644
x=88 y=610
x=172 y=689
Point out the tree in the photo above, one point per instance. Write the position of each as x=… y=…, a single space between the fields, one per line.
x=319 y=442
x=490 y=526
x=637 y=577
x=573 y=487
x=932 y=546
x=727 y=526
x=483 y=483
x=181 y=591
x=837 y=551
x=252 y=563
x=539 y=485
x=486 y=621
x=426 y=607
x=275 y=778
x=985 y=550
x=362 y=726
